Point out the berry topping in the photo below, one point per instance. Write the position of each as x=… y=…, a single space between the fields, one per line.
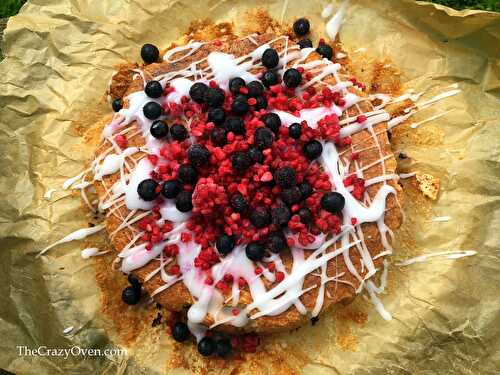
x=184 y=202
x=305 y=215
x=305 y=189
x=325 y=51
x=260 y=103
x=159 y=129
x=270 y=58
x=276 y=242
x=291 y=196
x=153 y=89
x=206 y=346
x=272 y=121
x=285 y=177
x=263 y=138
x=147 y=190
x=256 y=155
x=197 y=92
x=292 y=78
x=240 y=106
x=235 y=124
x=216 y=115
x=117 y=104
x=295 y=130
x=134 y=281
x=214 y=97
x=180 y=331
x=224 y=244
x=301 y=26
x=254 y=251
x=281 y=215
x=305 y=43
x=260 y=217
x=332 y=202
x=152 y=110
x=171 y=189
x=223 y=347
x=235 y=84
x=239 y=203
x=149 y=53
x=178 y=132
x=218 y=136
x=187 y=174
x=255 y=89
x=313 y=149
x=198 y=155
x=270 y=78
x=131 y=295
x=241 y=161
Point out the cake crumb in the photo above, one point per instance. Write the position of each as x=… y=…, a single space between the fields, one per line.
x=428 y=185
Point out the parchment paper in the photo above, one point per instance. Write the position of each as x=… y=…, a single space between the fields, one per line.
x=59 y=58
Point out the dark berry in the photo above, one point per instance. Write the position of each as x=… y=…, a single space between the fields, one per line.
x=263 y=138
x=305 y=43
x=291 y=196
x=295 y=130
x=159 y=129
x=260 y=217
x=134 y=281
x=214 y=97
x=187 y=174
x=147 y=189
x=218 y=136
x=239 y=203
x=292 y=78
x=198 y=155
x=152 y=110
x=276 y=242
x=332 y=202
x=225 y=244
x=216 y=115
x=197 y=92
x=184 y=202
x=235 y=124
x=272 y=121
x=171 y=189
x=255 y=89
x=131 y=295
x=223 y=347
x=180 y=332
x=325 y=51
x=117 y=104
x=270 y=58
x=235 y=84
x=313 y=149
x=281 y=215
x=301 y=26
x=256 y=155
x=285 y=177
x=261 y=103
x=240 y=106
x=149 y=53
x=206 y=346
x=241 y=161
x=270 y=78
x=153 y=89
x=305 y=215
x=178 y=132
x=305 y=189
x=254 y=251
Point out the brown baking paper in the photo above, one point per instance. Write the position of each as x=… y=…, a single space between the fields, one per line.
x=59 y=58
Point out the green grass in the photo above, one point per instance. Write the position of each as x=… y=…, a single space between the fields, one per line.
x=10 y=7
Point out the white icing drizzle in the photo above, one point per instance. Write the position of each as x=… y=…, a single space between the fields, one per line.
x=327 y=11
x=453 y=254
x=48 y=194
x=80 y=234
x=68 y=330
x=333 y=26
x=92 y=252
x=440 y=219
x=407 y=175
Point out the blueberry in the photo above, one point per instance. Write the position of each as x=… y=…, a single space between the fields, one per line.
x=295 y=130
x=214 y=97
x=285 y=177
x=153 y=89
x=313 y=149
x=305 y=189
x=260 y=217
x=281 y=215
x=301 y=26
x=276 y=242
x=178 y=132
x=187 y=174
x=198 y=155
x=149 y=53
x=332 y=202
x=159 y=129
x=152 y=110
x=171 y=189
x=261 y=103
x=197 y=92
x=270 y=78
x=131 y=295
x=225 y=244
x=305 y=43
x=147 y=189
x=240 y=106
x=263 y=138
x=235 y=124
x=270 y=58
x=216 y=115
x=256 y=155
x=255 y=89
x=218 y=136
x=206 y=346
x=254 y=251
x=235 y=84
x=272 y=121
x=134 y=281
x=184 y=202
x=239 y=203
x=291 y=196
x=223 y=347
x=241 y=161
x=180 y=332
x=117 y=104
x=305 y=215
x=325 y=51
x=292 y=78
